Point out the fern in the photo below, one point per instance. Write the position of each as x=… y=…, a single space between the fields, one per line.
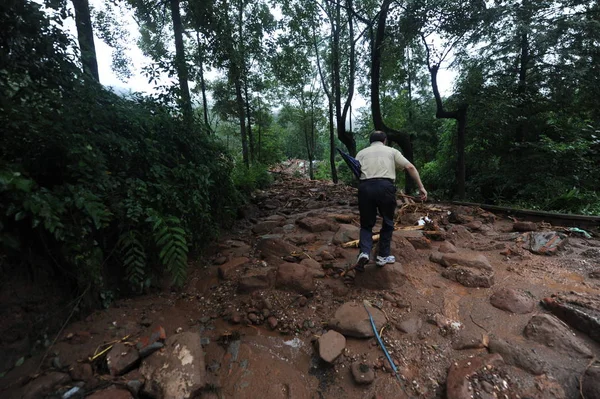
x=170 y=239
x=134 y=259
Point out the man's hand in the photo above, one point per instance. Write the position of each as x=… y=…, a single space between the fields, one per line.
x=423 y=193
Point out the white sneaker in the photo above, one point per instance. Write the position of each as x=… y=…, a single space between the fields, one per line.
x=382 y=261
x=361 y=261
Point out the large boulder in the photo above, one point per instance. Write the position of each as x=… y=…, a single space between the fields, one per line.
x=352 y=320
x=314 y=224
x=178 y=372
x=475 y=261
x=579 y=310
x=389 y=277
x=518 y=356
x=295 y=277
x=513 y=301
x=550 y=331
x=121 y=358
x=273 y=249
x=228 y=269
x=256 y=279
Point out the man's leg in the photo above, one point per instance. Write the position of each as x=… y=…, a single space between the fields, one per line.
x=368 y=215
x=387 y=209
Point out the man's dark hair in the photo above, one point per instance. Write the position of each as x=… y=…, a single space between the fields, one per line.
x=377 y=135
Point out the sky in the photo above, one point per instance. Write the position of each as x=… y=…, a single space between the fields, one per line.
x=139 y=83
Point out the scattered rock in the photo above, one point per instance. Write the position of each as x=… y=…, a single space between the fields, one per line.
x=272 y=322
x=474 y=225
x=265 y=227
x=313 y=267
x=579 y=310
x=179 y=371
x=403 y=250
x=517 y=356
x=44 y=384
x=460 y=233
x=469 y=277
x=331 y=345
x=346 y=233
x=274 y=249
x=410 y=326
x=419 y=242
x=513 y=301
x=475 y=261
x=458 y=384
x=228 y=270
x=220 y=260
x=362 y=373
x=111 y=393
x=467 y=340
x=447 y=248
x=149 y=344
x=352 y=320
x=591 y=383
x=81 y=372
x=294 y=277
x=121 y=358
x=314 y=224
x=525 y=226
x=389 y=277
x=256 y=279
x=550 y=331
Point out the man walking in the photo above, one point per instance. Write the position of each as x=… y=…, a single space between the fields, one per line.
x=377 y=192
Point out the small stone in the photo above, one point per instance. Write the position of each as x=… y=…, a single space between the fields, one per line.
x=253 y=318
x=302 y=301
x=331 y=345
x=362 y=373
x=272 y=322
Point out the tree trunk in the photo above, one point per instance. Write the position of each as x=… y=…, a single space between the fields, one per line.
x=85 y=37
x=460 y=115
x=242 y=118
x=344 y=136
x=203 y=83
x=180 y=64
x=521 y=89
x=249 y=116
x=402 y=138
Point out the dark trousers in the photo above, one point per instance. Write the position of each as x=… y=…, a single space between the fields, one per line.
x=376 y=195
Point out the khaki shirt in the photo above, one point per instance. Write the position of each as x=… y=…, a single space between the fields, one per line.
x=380 y=161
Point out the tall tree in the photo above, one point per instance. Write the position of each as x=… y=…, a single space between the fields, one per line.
x=180 y=63
x=85 y=37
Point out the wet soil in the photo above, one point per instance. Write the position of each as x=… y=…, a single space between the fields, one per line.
x=247 y=358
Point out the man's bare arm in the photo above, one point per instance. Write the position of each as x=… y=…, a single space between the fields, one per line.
x=414 y=173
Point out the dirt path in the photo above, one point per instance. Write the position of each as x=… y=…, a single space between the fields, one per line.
x=268 y=292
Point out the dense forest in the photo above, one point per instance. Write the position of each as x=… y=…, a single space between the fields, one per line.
x=95 y=183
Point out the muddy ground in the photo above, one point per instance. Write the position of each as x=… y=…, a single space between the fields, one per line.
x=461 y=311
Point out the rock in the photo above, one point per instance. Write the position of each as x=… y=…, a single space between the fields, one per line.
x=595 y=273
x=419 y=242
x=469 y=277
x=346 y=233
x=459 y=233
x=227 y=270
x=81 y=372
x=256 y=279
x=179 y=371
x=579 y=310
x=403 y=250
x=524 y=226
x=276 y=218
x=410 y=326
x=362 y=373
x=314 y=224
x=331 y=345
x=474 y=225
x=272 y=322
x=352 y=320
x=111 y=393
x=591 y=383
x=467 y=340
x=313 y=267
x=326 y=255
x=475 y=261
x=447 y=248
x=121 y=358
x=343 y=218
x=513 y=301
x=457 y=383
x=550 y=331
x=303 y=239
x=149 y=344
x=265 y=227
x=544 y=243
x=275 y=248
x=389 y=277
x=220 y=260
x=253 y=318
x=44 y=384
x=294 y=277
x=445 y=323
x=515 y=355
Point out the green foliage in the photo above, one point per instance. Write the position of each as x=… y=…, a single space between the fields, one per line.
x=246 y=180
x=104 y=187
